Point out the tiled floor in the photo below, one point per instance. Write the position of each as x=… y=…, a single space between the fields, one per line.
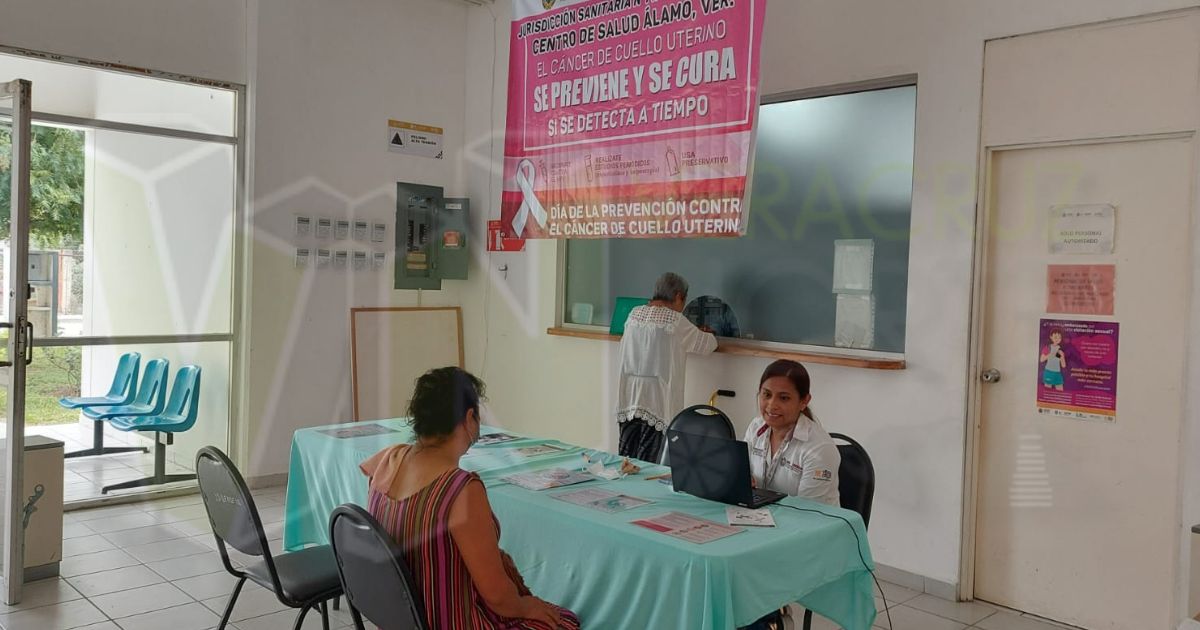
x=153 y=566
x=85 y=476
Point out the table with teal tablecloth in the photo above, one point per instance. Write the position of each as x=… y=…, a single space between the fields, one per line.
x=612 y=573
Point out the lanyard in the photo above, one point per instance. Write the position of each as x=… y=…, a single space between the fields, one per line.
x=771 y=464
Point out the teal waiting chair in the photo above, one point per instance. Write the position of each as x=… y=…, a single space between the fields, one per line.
x=122 y=390
x=178 y=416
x=149 y=401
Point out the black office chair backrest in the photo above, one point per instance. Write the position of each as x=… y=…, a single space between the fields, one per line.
x=856 y=477
x=704 y=420
x=374 y=576
x=700 y=420
x=230 y=507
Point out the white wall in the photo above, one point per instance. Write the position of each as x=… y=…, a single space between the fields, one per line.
x=201 y=39
x=912 y=422
x=328 y=76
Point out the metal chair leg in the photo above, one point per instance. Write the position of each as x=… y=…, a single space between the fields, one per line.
x=300 y=617
x=237 y=590
x=358 y=622
x=337 y=602
x=324 y=616
x=807 y=619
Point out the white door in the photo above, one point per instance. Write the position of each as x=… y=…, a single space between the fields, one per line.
x=14 y=162
x=1077 y=519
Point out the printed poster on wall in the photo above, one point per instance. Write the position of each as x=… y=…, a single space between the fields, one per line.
x=630 y=118
x=1080 y=289
x=1077 y=369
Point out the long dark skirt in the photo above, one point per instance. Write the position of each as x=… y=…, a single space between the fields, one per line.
x=641 y=441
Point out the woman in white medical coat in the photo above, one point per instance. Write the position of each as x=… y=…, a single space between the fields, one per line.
x=789 y=450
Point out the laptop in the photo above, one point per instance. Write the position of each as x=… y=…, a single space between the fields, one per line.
x=715 y=468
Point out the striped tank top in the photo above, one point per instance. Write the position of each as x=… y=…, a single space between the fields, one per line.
x=421 y=526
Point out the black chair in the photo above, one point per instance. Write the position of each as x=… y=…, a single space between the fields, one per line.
x=374 y=576
x=303 y=579
x=856 y=485
x=701 y=420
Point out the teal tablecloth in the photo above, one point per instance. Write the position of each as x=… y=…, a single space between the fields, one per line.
x=612 y=573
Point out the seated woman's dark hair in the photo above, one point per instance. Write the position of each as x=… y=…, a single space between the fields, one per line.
x=441 y=400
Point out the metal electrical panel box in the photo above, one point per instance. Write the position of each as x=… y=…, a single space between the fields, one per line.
x=452 y=238
x=416 y=258
x=431 y=237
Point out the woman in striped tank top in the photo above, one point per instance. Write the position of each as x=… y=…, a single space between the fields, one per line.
x=439 y=514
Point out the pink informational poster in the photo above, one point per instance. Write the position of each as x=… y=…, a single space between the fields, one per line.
x=1080 y=289
x=630 y=118
x=1077 y=369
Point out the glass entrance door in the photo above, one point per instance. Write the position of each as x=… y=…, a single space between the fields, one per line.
x=15 y=134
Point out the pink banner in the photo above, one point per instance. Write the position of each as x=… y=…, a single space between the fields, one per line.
x=630 y=118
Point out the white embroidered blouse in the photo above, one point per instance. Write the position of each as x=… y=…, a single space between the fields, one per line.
x=653 y=351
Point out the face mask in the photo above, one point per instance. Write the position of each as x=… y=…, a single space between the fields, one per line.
x=478 y=430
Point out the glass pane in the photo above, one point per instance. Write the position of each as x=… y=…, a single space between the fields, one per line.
x=827 y=171
x=85 y=92
x=155 y=252
x=73 y=371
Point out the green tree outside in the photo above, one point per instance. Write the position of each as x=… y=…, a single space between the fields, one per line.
x=56 y=176
x=56 y=186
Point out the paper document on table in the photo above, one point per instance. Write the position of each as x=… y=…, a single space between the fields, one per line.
x=362 y=430
x=687 y=527
x=541 y=449
x=603 y=500
x=545 y=479
x=749 y=518
x=495 y=438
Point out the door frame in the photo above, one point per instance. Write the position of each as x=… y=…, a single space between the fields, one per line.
x=238 y=432
x=12 y=576
x=977 y=332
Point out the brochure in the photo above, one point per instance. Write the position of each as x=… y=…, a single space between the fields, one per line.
x=687 y=527
x=546 y=479
x=749 y=518
x=495 y=438
x=603 y=500
x=541 y=449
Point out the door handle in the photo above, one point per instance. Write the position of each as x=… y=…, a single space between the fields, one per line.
x=990 y=375
x=28 y=342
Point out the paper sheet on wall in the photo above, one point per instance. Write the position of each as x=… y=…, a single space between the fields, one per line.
x=853 y=265
x=1082 y=229
x=854 y=326
x=303 y=227
x=324 y=227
